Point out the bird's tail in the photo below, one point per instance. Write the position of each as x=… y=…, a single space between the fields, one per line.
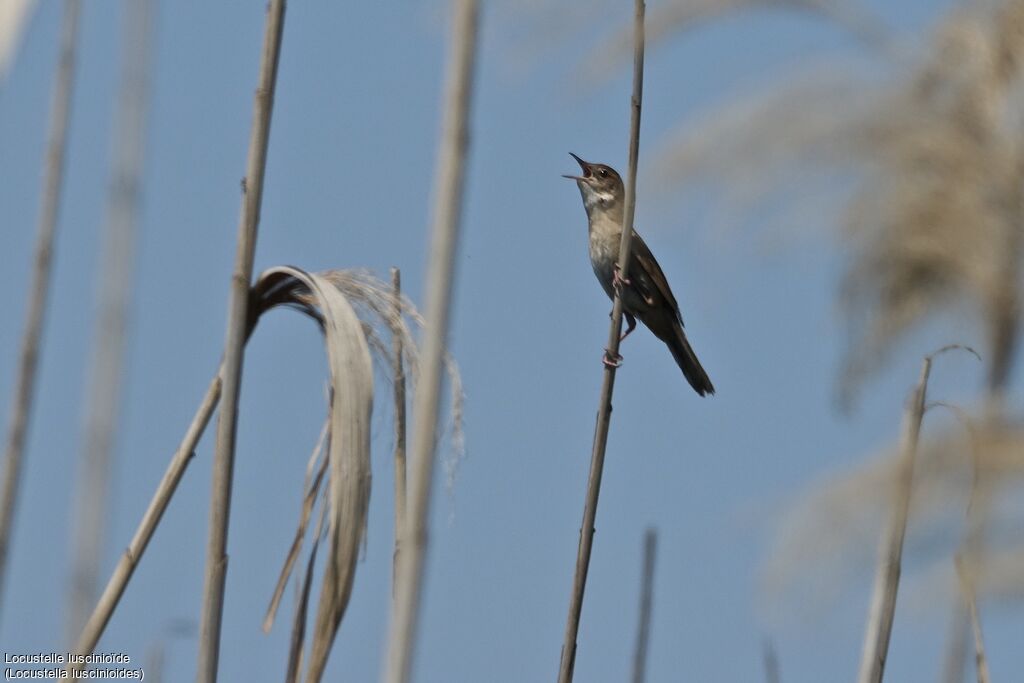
x=688 y=363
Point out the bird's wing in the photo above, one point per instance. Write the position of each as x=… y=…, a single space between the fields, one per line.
x=647 y=276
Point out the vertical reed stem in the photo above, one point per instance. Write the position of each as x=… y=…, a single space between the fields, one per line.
x=887 y=575
x=979 y=513
x=234 y=346
x=28 y=358
x=448 y=204
x=970 y=599
x=400 y=431
x=643 y=631
x=568 y=658
x=771 y=662
x=103 y=398
x=132 y=555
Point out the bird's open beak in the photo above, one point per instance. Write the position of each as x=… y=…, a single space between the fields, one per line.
x=584 y=165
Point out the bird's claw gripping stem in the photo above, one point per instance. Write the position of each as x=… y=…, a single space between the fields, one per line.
x=617 y=280
x=611 y=360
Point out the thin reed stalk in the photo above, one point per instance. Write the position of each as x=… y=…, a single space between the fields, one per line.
x=604 y=412
x=448 y=206
x=102 y=402
x=771 y=662
x=234 y=345
x=122 y=573
x=398 y=382
x=956 y=644
x=969 y=595
x=979 y=512
x=38 y=293
x=887 y=575
x=1004 y=340
x=643 y=630
x=155 y=659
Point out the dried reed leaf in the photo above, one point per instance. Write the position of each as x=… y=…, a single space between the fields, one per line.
x=322 y=298
x=380 y=311
x=349 y=457
x=312 y=489
x=377 y=304
x=350 y=307
x=351 y=405
x=298 y=634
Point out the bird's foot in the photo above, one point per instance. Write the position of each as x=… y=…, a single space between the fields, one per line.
x=630 y=325
x=611 y=360
x=617 y=280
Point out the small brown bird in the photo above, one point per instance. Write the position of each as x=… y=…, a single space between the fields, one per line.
x=645 y=292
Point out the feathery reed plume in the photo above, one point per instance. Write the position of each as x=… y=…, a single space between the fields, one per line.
x=643 y=630
x=678 y=16
x=289 y=287
x=398 y=371
x=234 y=344
x=935 y=218
x=448 y=205
x=938 y=217
x=102 y=403
x=890 y=555
x=389 y=309
x=604 y=412
x=839 y=517
x=540 y=24
x=28 y=357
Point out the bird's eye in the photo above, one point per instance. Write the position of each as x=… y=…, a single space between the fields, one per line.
x=603 y=173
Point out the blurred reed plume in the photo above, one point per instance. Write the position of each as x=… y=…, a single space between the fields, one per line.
x=677 y=16
x=544 y=24
x=827 y=533
x=931 y=143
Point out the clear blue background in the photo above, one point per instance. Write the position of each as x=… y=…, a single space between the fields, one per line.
x=348 y=184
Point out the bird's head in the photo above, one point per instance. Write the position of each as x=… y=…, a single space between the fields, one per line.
x=600 y=186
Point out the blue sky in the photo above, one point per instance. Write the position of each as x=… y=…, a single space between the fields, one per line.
x=348 y=183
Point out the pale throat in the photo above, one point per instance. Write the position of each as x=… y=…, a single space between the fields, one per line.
x=601 y=205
